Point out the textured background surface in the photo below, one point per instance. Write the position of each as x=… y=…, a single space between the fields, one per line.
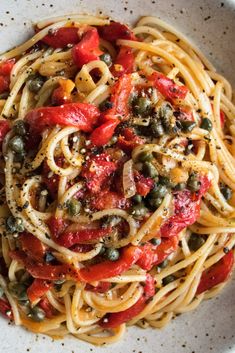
x=210 y=24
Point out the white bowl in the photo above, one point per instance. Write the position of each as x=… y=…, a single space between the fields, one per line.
x=211 y=25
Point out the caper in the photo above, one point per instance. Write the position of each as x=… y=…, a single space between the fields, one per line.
x=206 y=124
x=112 y=254
x=187 y=126
x=227 y=192
x=59 y=281
x=36 y=314
x=19 y=157
x=163 y=264
x=195 y=241
x=102 y=251
x=35 y=84
x=113 y=140
x=18 y=290
x=193 y=183
x=157 y=129
x=139 y=210
x=142 y=106
x=105 y=105
x=14 y=224
x=49 y=257
x=164 y=180
x=19 y=128
x=137 y=198
x=106 y=58
x=159 y=190
x=74 y=207
x=111 y=221
x=168 y=280
x=1 y=291
x=155 y=241
x=180 y=186
x=16 y=144
x=165 y=113
x=145 y=156
x=154 y=203
x=149 y=170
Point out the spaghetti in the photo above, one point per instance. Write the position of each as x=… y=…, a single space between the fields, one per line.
x=118 y=184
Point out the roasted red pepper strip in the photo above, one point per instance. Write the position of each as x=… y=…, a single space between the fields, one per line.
x=4 y=128
x=116 y=319
x=45 y=271
x=61 y=37
x=33 y=247
x=167 y=87
x=187 y=210
x=97 y=171
x=216 y=274
x=108 y=269
x=57 y=226
x=5 y=70
x=128 y=140
x=87 y=49
x=68 y=239
x=124 y=62
x=120 y=97
x=116 y=30
x=154 y=255
x=5 y=309
x=81 y=115
x=102 y=287
x=109 y=199
x=37 y=289
x=103 y=134
x=46 y=306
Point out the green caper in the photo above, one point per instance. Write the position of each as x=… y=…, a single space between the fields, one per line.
x=74 y=207
x=113 y=140
x=106 y=58
x=165 y=113
x=168 y=280
x=163 y=264
x=159 y=190
x=36 y=314
x=145 y=156
x=155 y=241
x=195 y=241
x=193 y=183
x=102 y=251
x=154 y=202
x=227 y=192
x=14 y=224
x=112 y=254
x=16 y=144
x=137 y=198
x=1 y=291
x=139 y=210
x=105 y=105
x=164 y=180
x=180 y=186
x=18 y=290
x=19 y=157
x=187 y=126
x=49 y=257
x=149 y=170
x=157 y=129
x=19 y=128
x=35 y=84
x=142 y=106
x=206 y=124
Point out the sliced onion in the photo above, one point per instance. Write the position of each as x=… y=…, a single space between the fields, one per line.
x=128 y=179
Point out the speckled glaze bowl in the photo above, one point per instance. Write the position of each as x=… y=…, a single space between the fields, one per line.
x=211 y=25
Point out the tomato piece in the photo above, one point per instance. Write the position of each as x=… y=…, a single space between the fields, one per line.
x=186 y=210
x=33 y=247
x=5 y=70
x=68 y=239
x=116 y=319
x=46 y=306
x=57 y=226
x=5 y=309
x=4 y=83
x=37 y=289
x=109 y=199
x=97 y=172
x=4 y=128
x=102 y=134
x=102 y=287
x=143 y=185
x=108 y=269
x=87 y=49
x=154 y=255
x=116 y=30
x=81 y=115
x=167 y=87
x=120 y=97
x=61 y=37
x=129 y=140
x=216 y=274
x=62 y=94
x=124 y=62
